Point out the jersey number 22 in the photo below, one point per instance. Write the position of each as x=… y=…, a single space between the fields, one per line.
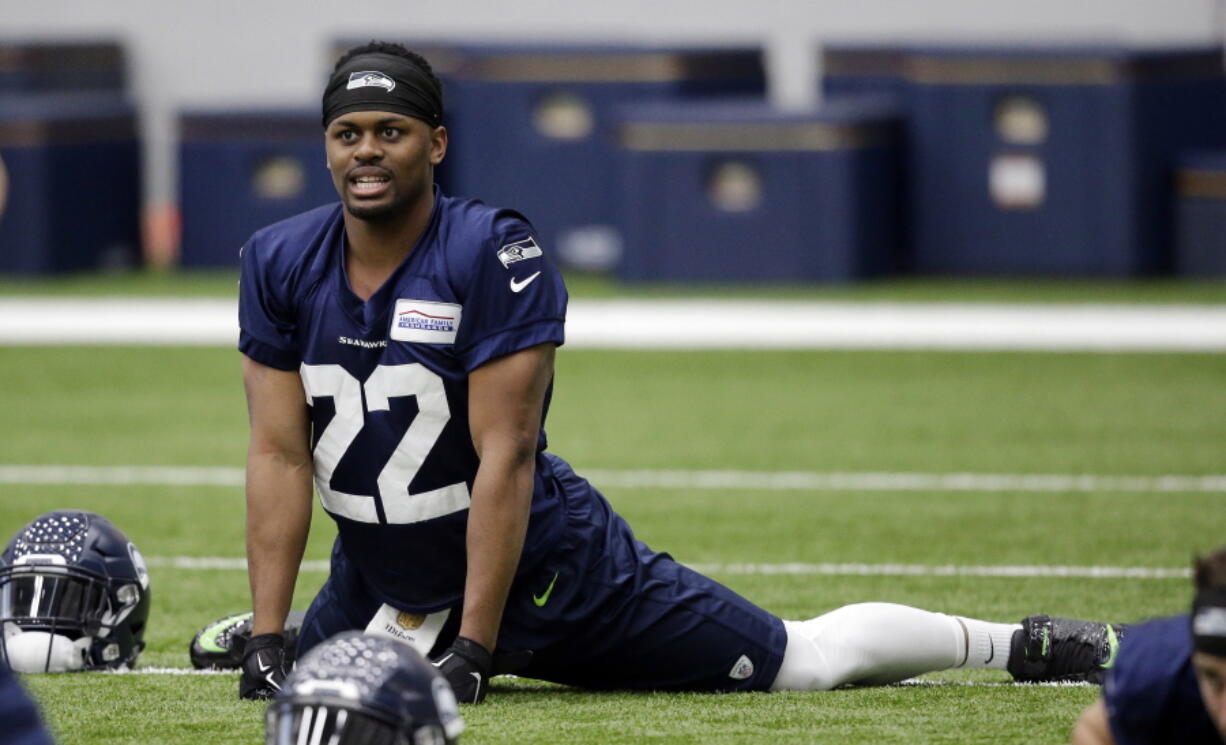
x=385 y=383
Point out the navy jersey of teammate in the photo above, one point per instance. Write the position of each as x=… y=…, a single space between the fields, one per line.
x=420 y=329
x=1169 y=683
x=1151 y=695
x=19 y=720
x=387 y=379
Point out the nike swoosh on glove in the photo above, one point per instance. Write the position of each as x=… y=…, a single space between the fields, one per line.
x=263 y=667
x=467 y=666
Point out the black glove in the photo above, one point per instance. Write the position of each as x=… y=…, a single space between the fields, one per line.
x=467 y=667
x=263 y=667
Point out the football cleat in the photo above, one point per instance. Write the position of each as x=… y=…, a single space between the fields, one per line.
x=1063 y=649
x=220 y=645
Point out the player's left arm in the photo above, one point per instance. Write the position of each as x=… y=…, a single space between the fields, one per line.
x=505 y=401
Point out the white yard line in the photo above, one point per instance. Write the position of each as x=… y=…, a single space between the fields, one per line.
x=689 y=324
x=123 y=475
x=946 y=570
x=763 y=480
x=169 y=671
x=680 y=479
x=221 y=563
x=909 y=682
x=206 y=563
x=868 y=481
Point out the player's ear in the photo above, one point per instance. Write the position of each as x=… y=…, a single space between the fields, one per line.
x=438 y=145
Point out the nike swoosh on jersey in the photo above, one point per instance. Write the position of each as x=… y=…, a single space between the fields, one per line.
x=517 y=285
x=543 y=598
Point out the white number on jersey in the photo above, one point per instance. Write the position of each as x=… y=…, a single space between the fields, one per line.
x=385 y=383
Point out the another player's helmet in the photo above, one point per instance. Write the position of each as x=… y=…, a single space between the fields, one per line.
x=361 y=689
x=74 y=595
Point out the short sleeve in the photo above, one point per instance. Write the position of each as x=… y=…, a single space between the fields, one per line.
x=1150 y=693
x=1132 y=714
x=266 y=322
x=514 y=297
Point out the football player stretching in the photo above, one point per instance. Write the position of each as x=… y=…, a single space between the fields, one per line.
x=399 y=353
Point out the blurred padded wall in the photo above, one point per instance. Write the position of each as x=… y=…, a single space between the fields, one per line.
x=274 y=52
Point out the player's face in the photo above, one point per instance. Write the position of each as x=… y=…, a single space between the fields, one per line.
x=382 y=162
x=1211 y=676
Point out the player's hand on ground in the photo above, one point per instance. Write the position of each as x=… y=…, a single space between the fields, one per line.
x=467 y=667
x=263 y=667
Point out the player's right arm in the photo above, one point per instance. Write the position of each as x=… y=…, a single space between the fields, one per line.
x=1092 y=727
x=279 y=464
x=279 y=473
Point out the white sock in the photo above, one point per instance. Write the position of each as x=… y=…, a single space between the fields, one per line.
x=987 y=644
x=868 y=644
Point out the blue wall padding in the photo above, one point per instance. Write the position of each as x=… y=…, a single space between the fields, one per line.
x=1200 y=236
x=829 y=192
x=1116 y=120
x=220 y=155
x=37 y=66
x=564 y=186
x=72 y=167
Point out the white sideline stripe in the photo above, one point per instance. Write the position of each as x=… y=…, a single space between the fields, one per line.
x=676 y=479
x=828 y=570
x=688 y=324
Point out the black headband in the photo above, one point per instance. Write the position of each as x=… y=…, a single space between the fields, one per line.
x=1209 y=621
x=383 y=82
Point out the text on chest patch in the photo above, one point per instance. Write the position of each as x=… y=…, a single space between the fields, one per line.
x=425 y=321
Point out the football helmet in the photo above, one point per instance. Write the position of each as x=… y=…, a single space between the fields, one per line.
x=358 y=689
x=74 y=595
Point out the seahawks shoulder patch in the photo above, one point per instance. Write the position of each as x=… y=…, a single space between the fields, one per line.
x=513 y=253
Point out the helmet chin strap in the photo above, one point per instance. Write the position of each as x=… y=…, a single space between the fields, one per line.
x=40 y=652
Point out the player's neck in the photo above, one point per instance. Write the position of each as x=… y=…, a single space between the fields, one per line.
x=374 y=249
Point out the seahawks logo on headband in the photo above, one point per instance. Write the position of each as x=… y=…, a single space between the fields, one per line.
x=1209 y=622
x=370 y=79
x=383 y=82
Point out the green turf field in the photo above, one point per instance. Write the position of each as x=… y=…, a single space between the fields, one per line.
x=882 y=412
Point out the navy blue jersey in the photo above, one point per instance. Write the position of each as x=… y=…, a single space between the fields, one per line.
x=1151 y=692
x=19 y=721
x=387 y=379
